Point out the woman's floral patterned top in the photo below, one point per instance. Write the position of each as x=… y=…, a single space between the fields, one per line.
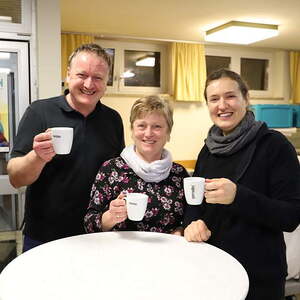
x=166 y=200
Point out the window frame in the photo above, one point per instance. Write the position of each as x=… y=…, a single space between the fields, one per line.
x=118 y=86
x=235 y=64
x=25 y=26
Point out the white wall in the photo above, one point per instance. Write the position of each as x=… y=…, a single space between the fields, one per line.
x=48 y=48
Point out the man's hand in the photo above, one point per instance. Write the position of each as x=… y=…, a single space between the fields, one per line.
x=42 y=146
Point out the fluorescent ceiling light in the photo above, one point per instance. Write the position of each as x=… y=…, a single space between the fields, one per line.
x=236 y=32
x=148 y=61
x=127 y=74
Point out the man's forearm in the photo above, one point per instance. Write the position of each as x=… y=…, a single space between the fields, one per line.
x=25 y=170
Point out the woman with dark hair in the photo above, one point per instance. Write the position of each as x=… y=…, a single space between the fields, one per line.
x=252 y=188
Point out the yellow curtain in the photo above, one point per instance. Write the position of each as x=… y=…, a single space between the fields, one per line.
x=69 y=42
x=188 y=71
x=295 y=75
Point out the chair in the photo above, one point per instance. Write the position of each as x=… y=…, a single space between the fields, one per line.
x=292 y=287
x=188 y=164
x=15 y=234
x=292 y=241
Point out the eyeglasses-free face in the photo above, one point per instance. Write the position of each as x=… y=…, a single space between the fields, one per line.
x=150 y=134
x=87 y=79
x=226 y=104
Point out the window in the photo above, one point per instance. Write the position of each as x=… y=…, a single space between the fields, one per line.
x=10 y=11
x=15 y=16
x=144 y=66
x=214 y=63
x=111 y=53
x=137 y=67
x=255 y=72
x=253 y=65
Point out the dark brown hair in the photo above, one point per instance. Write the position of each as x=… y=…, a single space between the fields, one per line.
x=225 y=73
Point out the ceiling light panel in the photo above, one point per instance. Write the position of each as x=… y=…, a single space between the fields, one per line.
x=236 y=32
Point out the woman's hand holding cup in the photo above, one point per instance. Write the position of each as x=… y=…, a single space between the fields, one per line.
x=118 y=210
x=219 y=190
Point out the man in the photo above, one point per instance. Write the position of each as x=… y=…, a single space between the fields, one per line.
x=59 y=185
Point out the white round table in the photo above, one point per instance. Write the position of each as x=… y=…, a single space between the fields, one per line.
x=124 y=265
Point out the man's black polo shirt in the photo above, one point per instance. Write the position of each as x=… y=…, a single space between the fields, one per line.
x=57 y=201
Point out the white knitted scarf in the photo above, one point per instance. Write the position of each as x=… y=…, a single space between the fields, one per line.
x=155 y=171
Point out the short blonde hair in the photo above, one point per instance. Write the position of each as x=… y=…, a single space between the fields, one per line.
x=151 y=104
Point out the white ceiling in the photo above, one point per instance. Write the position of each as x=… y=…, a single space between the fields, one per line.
x=182 y=20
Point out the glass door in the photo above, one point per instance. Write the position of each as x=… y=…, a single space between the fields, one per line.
x=14 y=99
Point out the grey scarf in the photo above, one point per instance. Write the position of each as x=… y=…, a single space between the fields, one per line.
x=219 y=144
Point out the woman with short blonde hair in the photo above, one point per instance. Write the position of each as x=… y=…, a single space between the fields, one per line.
x=144 y=167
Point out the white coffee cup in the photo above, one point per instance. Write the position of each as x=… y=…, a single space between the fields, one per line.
x=136 y=204
x=194 y=190
x=62 y=139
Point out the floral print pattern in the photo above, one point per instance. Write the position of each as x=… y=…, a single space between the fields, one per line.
x=166 y=202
